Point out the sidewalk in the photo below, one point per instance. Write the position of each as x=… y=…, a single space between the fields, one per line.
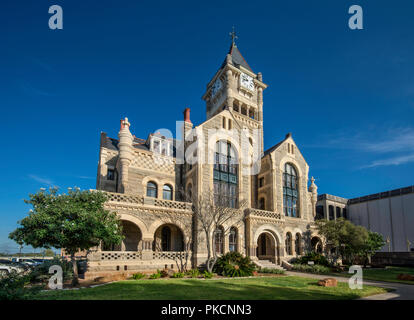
x=402 y=291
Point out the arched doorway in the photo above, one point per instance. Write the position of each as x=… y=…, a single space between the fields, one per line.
x=267 y=248
x=316 y=244
x=132 y=238
x=168 y=237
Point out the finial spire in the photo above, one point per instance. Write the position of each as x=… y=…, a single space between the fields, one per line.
x=233 y=36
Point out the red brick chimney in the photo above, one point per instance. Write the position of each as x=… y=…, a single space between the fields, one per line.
x=187 y=115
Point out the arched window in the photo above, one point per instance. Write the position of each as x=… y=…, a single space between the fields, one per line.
x=225 y=175
x=152 y=189
x=218 y=240
x=288 y=243
x=233 y=240
x=262 y=204
x=298 y=244
x=290 y=191
x=167 y=192
x=166 y=238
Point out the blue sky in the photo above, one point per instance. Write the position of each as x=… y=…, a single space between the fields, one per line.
x=346 y=95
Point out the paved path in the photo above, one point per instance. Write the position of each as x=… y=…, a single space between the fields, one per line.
x=402 y=291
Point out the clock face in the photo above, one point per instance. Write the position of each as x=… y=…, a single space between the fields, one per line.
x=246 y=81
x=216 y=87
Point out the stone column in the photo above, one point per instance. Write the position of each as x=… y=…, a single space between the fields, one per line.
x=229 y=93
x=125 y=153
x=147 y=249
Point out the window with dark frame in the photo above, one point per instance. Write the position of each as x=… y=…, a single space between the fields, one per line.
x=290 y=192
x=151 y=189
x=233 y=240
x=218 y=241
x=225 y=175
x=167 y=192
x=261 y=182
x=110 y=175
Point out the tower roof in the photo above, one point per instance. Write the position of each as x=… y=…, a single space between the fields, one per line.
x=237 y=58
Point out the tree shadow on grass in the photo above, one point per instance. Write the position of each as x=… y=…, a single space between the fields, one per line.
x=233 y=289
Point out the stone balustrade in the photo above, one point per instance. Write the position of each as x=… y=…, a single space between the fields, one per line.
x=246 y=119
x=170 y=255
x=264 y=214
x=124 y=256
x=124 y=198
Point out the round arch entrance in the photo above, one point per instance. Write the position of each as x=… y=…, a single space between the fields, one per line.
x=168 y=237
x=316 y=244
x=268 y=247
x=132 y=238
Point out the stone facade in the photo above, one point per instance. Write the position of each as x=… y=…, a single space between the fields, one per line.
x=148 y=185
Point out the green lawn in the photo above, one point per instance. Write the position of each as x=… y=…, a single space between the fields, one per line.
x=269 y=288
x=388 y=274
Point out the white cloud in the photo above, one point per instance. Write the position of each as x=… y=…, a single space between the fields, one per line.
x=394 y=161
x=395 y=145
x=42 y=180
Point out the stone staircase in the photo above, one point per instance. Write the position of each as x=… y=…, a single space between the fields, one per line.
x=268 y=264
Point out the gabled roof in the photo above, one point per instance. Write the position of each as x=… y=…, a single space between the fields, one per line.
x=237 y=58
x=271 y=149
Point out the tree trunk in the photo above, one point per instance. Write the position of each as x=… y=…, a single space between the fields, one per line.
x=75 y=280
x=208 y=264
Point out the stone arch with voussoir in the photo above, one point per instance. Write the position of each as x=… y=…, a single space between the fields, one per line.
x=158 y=223
x=139 y=224
x=275 y=235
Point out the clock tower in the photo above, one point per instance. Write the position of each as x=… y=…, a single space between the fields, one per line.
x=236 y=87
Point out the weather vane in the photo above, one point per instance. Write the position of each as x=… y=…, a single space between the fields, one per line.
x=233 y=36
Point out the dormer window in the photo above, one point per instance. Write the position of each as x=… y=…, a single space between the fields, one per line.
x=161 y=146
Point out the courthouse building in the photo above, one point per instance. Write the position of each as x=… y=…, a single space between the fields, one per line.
x=148 y=185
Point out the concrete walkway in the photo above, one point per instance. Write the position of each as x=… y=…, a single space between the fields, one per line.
x=402 y=291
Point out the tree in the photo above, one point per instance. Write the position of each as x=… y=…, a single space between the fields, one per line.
x=184 y=222
x=73 y=221
x=346 y=239
x=48 y=253
x=373 y=244
x=212 y=212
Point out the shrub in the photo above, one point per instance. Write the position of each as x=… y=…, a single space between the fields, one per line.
x=317 y=258
x=234 y=264
x=164 y=273
x=273 y=271
x=156 y=275
x=193 y=273
x=40 y=273
x=208 y=275
x=137 y=276
x=178 y=275
x=16 y=286
x=318 y=269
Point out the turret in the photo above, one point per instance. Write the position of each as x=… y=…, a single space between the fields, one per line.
x=125 y=152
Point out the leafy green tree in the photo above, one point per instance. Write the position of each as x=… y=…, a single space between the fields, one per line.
x=71 y=221
x=346 y=239
x=373 y=244
x=48 y=253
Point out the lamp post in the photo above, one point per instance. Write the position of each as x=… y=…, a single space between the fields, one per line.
x=389 y=243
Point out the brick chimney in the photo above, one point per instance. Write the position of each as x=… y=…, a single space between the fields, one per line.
x=187 y=115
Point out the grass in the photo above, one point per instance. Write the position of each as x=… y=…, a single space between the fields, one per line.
x=260 y=288
x=387 y=274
